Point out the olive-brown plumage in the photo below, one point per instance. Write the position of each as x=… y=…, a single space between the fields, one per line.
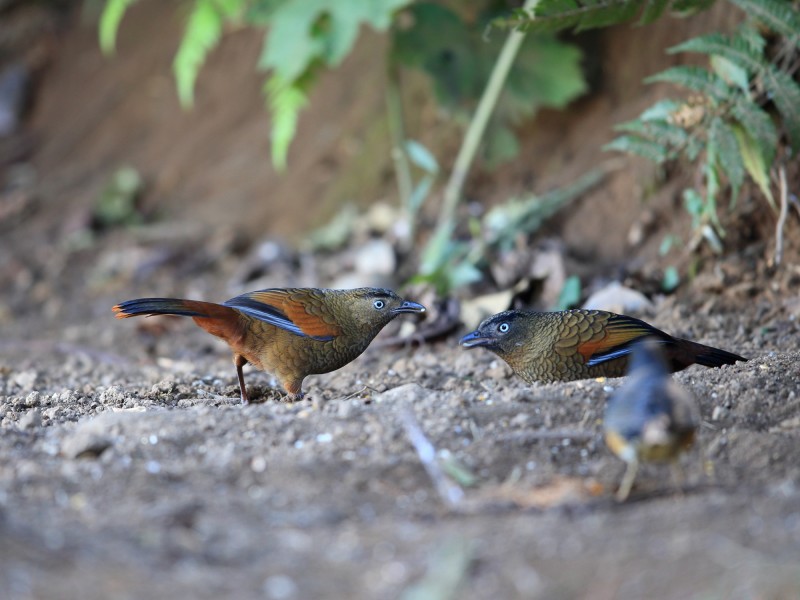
x=651 y=418
x=581 y=344
x=290 y=333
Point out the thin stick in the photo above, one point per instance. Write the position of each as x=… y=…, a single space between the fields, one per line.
x=472 y=139
x=782 y=216
x=548 y=434
x=449 y=491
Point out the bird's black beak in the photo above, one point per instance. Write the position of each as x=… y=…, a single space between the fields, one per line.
x=409 y=307
x=475 y=339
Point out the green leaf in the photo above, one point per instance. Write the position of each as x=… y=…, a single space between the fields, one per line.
x=671 y=279
x=732 y=73
x=305 y=31
x=201 y=35
x=697 y=79
x=694 y=206
x=546 y=73
x=285 y=101
x=736 y=50
x=661 y=110
x=500 y=145
x=662 y=132
x=759 y=126
x=785 y=93
x=754 y=161
x=421 y=157
x=712 y=186
x=110 y=19
x=667 y=242
x=555 y=15
x=729 y=158
x=778 y=15
x=652 y=11
x=632 y=144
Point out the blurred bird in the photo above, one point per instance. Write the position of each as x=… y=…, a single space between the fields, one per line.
x=650 y=418
x=290 y=332
x=581 y=344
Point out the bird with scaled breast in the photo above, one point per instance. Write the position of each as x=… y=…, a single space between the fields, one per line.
x=290 y=333
x=651 y=418
x=581 y=344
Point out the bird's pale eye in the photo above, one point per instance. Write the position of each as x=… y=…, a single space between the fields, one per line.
x=503 y=328
x=378 y=304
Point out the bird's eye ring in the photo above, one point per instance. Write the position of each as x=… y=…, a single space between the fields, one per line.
x=379 y=304
x=503 y=328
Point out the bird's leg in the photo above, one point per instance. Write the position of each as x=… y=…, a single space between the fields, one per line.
x=241 y=361
x=294 y=390
x=627 y=481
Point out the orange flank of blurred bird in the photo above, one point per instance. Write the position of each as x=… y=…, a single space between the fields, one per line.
x=581 y=344
x=290 y=333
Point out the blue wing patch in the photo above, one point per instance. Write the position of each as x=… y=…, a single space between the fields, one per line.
x=269 y=314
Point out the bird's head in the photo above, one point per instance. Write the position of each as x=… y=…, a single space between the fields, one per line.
x=502 y=333
x=375 y=307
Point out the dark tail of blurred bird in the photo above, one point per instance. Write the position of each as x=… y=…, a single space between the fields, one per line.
x=690 y=353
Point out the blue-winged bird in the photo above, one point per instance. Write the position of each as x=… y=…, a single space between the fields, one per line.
x=651 y=417
x=581 y=344
x=290 y=333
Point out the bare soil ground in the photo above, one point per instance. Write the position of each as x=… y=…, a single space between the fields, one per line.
x=128 y=468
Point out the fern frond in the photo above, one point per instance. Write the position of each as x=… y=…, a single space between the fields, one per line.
x=110 y=19
x=661 y=110
x=634 y=144
x=785 y=93
x=759 y=126
x=696 y=79
x=556 y=15
x=201 y=35
x=778 y=15
x=734 y=49
x=285 y=101
x=726 y=149
x=662 y=132
x=754 y=162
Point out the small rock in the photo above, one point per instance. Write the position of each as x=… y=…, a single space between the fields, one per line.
x=617 y=298
x=410 y=393
x=26 y=380
x=32 y=399
x=346 y=409
x=85 y=444
x=112 y=395
x=376 y=257
x=31 y=419
x=719 y=412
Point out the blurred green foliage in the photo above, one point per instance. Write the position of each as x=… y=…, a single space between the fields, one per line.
x=304 y=36
x=740 y=107
x=458 y=52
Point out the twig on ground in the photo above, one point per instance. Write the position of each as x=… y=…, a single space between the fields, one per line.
x=547 y=434
x=782 y=217
x=449 y=491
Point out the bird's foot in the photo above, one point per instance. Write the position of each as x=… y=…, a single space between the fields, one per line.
x=289 y=398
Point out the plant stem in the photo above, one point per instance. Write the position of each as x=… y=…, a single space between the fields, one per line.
x=477 y=127
x=394 y=111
